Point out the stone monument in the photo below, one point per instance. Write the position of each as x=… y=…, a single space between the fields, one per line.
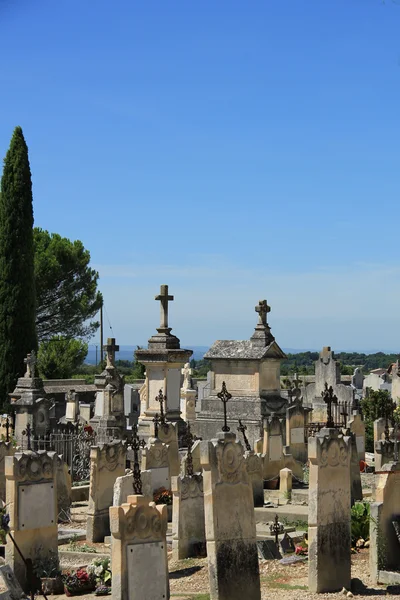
x=163 y=360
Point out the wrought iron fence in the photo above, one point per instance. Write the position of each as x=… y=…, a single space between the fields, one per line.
x=73 y=444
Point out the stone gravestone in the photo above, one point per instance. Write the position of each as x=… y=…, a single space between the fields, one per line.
x=155 y=459
x=230 y=522
x=254 y=466
x=188 y=528
x=275 y=453
x=6 y=449
x=296 y=418
x=64 y=490
x=355 y=475
x=285 y=484
x=329 y=537
x=123 y=487
x=139 y=562
x=357 y=426
x=384 y=453
x=31 y=484
x=107 y=462
x=168 y=434
x=384 y=541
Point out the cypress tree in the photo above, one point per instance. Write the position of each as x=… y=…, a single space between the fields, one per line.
x=17 y=288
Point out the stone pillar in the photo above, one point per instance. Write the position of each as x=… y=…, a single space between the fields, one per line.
x=355 y=475
x=230 y=522
x=6 y=449
x=329 y=536
x=155 y=459
x=285 y=484
x=188 y=527
x=32 y=503
x=168 y=434
x=188 y=405
x=107 y=462
x=139 y=550
x=254 y=466
x=384 y=545
x=357 y=426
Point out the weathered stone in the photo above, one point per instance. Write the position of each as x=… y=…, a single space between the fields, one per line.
x=139 y=550
x=329 y=535
x=285 y=484
x=296 y=419
x=107 y=462
x=357 y=426
x=31 y=480
x=230 y=522
x=168 y=435
x=155 y=460
x=64 y=487
x=254 y=466
x=6 y=449
x=123 y=487
x=188 y=528
x=355 y=476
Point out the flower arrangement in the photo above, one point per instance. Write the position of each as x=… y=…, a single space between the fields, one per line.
x=162 y=496
x=100 y=570
x=79 y=582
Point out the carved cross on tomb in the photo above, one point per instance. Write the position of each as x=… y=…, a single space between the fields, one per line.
x=262 y=309
x=111 y=348
x=224 y=396
x=164 y=299
x=30 y=362
x=242 y=429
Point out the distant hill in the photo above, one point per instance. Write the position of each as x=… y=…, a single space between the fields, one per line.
x=126 y=353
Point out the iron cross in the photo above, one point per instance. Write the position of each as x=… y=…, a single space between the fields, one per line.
x=164 y=299
x=224 y=396
x=329 y=398
x=161 y=399
x=242 y=429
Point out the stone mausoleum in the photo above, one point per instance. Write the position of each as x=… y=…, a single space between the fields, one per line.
x=251 y=371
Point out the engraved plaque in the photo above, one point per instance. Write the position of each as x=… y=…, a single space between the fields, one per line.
x=147 y=571
x=275 y=447
x=297 y=435
x=36 y=505
x=360 y=441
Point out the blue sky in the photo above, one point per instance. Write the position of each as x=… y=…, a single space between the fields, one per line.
x=233 y=150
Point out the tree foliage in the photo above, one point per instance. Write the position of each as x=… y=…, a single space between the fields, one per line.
x=17 y=284
x=377 y=404
x=59 y=357
x=303 y=362
x=66 y=287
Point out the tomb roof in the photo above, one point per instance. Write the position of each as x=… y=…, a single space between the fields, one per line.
x=243 y=350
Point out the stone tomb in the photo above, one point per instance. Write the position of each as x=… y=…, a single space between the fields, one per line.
x=188 y=527
x=32 y=503
x=107 y=462
x=230 y=522
x=168 y=434
x=384 y=453
x=139 y=550
x=385 y=542
x=275 y=455
x=329 y=537
x=296 y=419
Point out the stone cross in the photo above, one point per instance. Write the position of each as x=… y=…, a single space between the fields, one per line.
x=164 y=299
x=30 y=362
x=111 y=348
x=262 y=309
x=224 y=396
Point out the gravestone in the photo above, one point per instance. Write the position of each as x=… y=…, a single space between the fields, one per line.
x=64 y=490
x=11 y=584
x=384 y=453
x=275 y=454
x=168 y=435
x=155 y=460
x=31 y=484
x=230 y=522
x=139 y=562
x=296 y=419
x=357 y=427
x=268 y=550
x=123 y=487
x=188 y=527
x=384 y=541
x=30 y=403
x=6 y=449
x=109 y=416
x=254 y=466
x=329 y=537
x=357 y=379
x=355 y=475
x=285 y=484
x=107 y=462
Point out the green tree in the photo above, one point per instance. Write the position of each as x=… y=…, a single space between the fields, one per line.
x=138 y=370
x=59 y=357
x=17 y=283
x=376 y=405
x=66 y=287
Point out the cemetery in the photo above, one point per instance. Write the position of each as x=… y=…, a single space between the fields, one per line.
x=259 y=491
